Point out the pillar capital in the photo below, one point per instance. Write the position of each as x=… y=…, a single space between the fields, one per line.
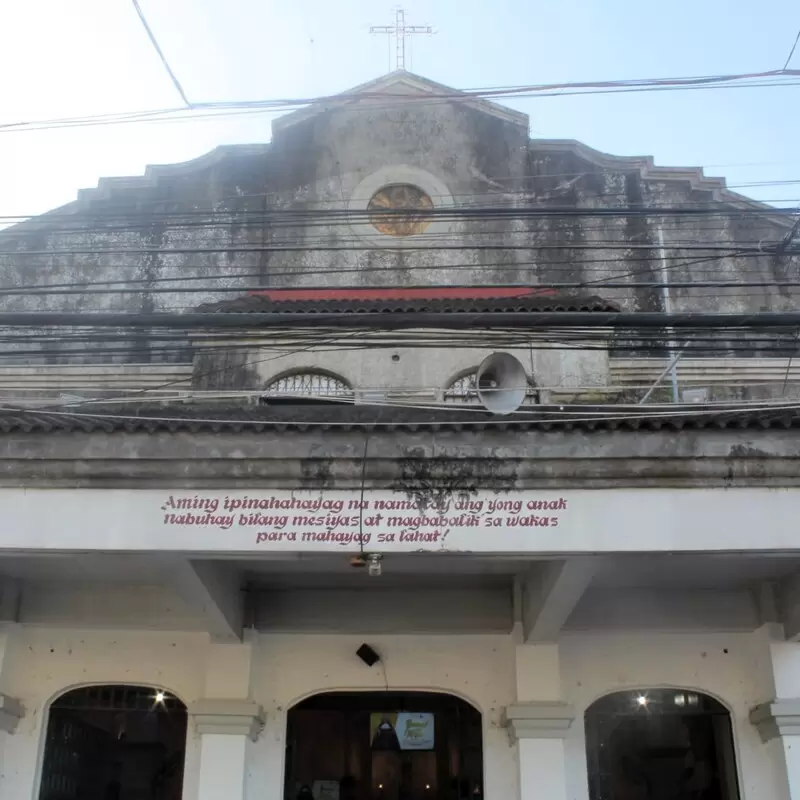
x=11 y=711
x=231 y=717
x=538 y=720
x=777 y=718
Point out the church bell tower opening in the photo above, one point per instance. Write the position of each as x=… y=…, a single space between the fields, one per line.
x=384 y=746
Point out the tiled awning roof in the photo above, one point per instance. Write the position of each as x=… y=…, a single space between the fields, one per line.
x=213 y=418
x=456 y=299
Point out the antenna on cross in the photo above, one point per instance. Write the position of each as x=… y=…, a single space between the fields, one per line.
x=400 y=31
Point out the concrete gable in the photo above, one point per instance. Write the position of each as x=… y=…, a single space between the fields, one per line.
x=399 y=83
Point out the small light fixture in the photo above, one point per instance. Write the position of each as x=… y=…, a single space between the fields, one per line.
x=374 y=567
x=683 y=699
x=160 y=697
x=642 y=701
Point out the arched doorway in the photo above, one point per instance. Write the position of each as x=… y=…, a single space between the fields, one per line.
x=660 y=743
x=114 y=743
x=384 y=746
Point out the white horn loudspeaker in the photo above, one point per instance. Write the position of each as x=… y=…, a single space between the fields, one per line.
x=501 y=383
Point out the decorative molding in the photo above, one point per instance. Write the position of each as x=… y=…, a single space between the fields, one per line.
x=777 y=718
x=11 y=712
x=538 y=720
x=231 y=717
x=434 y=187
x=107 y=187
x=647 y=168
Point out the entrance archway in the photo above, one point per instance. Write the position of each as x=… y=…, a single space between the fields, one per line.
x=384 y=746
x=114 y=743
x=660 y=743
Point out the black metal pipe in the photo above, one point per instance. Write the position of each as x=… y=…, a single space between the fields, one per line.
x=388 y=320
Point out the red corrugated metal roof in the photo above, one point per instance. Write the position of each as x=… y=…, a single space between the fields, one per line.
x=402 y=293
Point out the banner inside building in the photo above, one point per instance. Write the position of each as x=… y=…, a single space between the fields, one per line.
x=402 y=731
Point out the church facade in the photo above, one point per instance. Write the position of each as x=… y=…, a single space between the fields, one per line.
x=303 y=561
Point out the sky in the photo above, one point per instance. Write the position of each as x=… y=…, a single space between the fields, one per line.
x=85 y=57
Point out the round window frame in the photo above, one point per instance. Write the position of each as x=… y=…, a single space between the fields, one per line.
x=423 y=219
x=358 y=206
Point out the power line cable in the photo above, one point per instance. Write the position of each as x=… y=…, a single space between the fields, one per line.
x=143 y=213
x=157 y=48
x=507 y=209
x=549 y=416
x=389 y=320
x=751 y=246
x=791 y=52
x=537 y=90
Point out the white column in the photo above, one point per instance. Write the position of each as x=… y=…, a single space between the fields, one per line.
x=11 y=710
x=538 y=723
x=225 y=726
x=227 y=720
x=778 y=719
x=779 y=725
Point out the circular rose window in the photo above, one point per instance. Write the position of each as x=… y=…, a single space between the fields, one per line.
x=396 y=198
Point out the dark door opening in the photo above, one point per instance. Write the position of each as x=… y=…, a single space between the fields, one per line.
x=660 y=744
x=384 y=746
x=114 y=743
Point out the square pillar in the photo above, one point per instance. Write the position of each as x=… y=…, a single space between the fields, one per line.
x=539 y=730
x=11 y=710
x=539 y=722
x=228 y=722
x=777 y=719
x=778 y=724
x=225 y=728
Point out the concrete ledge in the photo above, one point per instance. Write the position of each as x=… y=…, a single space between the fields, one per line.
x=11 y=712
x=231 y=717
x=777 y=718
x=538 y=720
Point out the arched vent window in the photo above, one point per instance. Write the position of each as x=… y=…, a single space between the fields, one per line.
x=464 y=391
x=308 y=386
x=651 y=743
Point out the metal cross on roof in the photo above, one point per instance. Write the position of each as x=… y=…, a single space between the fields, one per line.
x=400 y=31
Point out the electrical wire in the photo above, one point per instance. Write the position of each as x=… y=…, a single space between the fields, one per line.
x=151 y=36
x=576 y=415
x=532 y=207
x=143 y=211
x=791 y=52
x=752 y=246
x=739 y=80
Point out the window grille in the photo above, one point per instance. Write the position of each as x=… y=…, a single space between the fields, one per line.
x=464 y=390
x=308 y=384
x=117 y=698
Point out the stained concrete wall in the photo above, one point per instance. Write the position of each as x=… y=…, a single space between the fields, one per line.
x=214 y=215
x=427 y=374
